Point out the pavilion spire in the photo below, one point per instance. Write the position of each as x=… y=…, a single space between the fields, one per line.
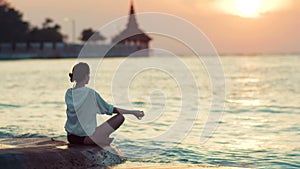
x=132 y=24
x=132 y=35
x=131 y=12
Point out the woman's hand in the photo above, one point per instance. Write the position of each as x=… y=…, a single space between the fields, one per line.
x=138 y=114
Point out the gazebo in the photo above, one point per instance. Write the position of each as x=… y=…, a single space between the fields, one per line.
x=132 y=35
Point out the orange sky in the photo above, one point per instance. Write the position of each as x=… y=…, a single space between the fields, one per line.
x=274 y=31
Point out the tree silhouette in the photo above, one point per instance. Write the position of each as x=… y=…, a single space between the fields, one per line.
x=47 y=23
x=92 y=35
x=13 y=29
x=47 y=34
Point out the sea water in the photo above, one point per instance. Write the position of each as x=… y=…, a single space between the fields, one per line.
x=259 y=125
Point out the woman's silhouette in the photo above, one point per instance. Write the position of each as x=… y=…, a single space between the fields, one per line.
x=83 y=104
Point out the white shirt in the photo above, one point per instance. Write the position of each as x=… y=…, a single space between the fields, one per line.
x=83 y=104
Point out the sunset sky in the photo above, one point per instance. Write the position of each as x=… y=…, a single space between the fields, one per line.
x=233 y=26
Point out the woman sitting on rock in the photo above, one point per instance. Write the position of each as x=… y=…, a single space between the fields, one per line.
x=83 y=104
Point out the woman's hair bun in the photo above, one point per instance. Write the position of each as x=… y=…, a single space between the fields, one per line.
x=79 y=72
x=71 y=77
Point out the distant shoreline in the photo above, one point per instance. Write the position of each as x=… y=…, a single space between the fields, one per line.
x=49 y=50
x=28 y=57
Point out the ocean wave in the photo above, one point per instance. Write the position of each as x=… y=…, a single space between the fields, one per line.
x=265 y=109
x=9 y=105
x=53 y=102
x=25 y=135
x=138 y=103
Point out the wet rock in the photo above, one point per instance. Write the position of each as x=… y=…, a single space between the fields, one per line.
x=18 y=153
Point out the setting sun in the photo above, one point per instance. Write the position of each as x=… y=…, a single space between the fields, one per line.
x=251 y=8
x=248 y=8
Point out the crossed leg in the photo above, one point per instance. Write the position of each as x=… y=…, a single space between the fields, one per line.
x=102 y=132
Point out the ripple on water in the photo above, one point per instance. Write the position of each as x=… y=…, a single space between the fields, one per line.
x=138 y=103
x=25 y=135
x=53 y=102
x=10 y=105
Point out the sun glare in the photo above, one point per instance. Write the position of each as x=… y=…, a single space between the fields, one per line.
x=248 y=8
x=252 y=8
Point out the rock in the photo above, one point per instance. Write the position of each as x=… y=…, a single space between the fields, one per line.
x=38 y=153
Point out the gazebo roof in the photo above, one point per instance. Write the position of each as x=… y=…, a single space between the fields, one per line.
x=132 y=31
x=132 y=35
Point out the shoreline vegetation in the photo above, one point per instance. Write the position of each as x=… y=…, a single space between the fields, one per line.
x=21 y=40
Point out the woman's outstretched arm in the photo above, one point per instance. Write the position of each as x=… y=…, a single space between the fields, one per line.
x=137 y=113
